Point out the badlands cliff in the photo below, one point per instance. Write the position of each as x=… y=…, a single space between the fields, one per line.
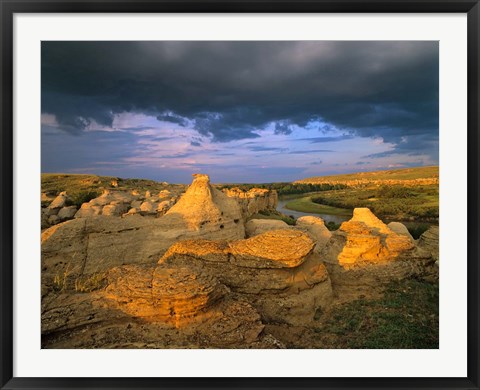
x=201 y=276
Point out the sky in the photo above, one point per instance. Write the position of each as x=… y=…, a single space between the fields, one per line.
x=240 y=111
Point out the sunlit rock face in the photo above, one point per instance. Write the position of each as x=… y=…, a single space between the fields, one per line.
x=316 y=229
x=174 y=295
x=367 y=240
x=98 y=243
x=254 y=200
x=204 y=208
x=277 y=272
x=145 y=306
x=364 y=253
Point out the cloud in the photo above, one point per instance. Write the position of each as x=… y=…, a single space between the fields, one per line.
x=306 y=151
x=317 y=140
x=283 y=127
x=266 y=149
x=229 y=91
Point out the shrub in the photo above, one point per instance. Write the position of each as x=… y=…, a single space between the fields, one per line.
x=82 y=197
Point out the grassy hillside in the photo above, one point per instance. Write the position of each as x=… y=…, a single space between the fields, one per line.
x=54 y=183
x=396 y=174
x=400 y=194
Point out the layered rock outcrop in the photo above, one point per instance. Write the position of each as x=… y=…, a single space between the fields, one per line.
x=365 y=239
x=428 y=242
x=152 y=307
x=170 y=295
x=254 y=200
x=365 y=254
x=98 y=243
x=258 y=226
x=204 y=208
x=277 y=272
x=316 y=229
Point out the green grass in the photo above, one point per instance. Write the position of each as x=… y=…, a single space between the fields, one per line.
x=392 y=202
x=396 y=174
x=405 y=318
x=306 y=205
x=79 y=185
x=270 y=214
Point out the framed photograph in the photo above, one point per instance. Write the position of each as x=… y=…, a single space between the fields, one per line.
x=232 y=194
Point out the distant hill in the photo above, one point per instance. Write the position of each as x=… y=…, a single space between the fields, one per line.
x=420 y=175
x=54 y=183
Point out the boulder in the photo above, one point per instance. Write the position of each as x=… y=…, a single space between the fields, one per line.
x=428 y=242
x=316 y=229
x=148 y=207
x=259 y=226
x=131 y=211
x=163 y=206
x=164 y=194
x=89 y=210
x=53 y=219
x=114 y=209
x=400 y=228
x=60 y=201
x=67 y=212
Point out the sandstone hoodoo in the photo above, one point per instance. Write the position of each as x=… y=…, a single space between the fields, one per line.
x=367 y=240
x=364 y=254
x=197 y=271
x=277 y=272
x=99 y=242
x=203 y=207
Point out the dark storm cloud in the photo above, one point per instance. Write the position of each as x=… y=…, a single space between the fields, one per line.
x=234 y=90
x=318 y=140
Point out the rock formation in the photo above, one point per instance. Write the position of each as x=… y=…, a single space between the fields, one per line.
x=97 y=243
x=365 y=254
x=175 y=295
x=277 y=272
x=428 y=242
x=254 y=200
x=204 y=208
x=365 y=239
x=190 y=278
x=152 y=307
x=316 y=229
x=400 y=228
x=60 y=201
x=258 y=226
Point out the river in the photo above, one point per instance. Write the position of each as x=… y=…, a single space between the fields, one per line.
x=297 y=214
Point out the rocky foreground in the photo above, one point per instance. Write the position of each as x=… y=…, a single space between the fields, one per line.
x=200 y=273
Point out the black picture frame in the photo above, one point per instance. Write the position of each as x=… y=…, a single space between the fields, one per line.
x=9 y=8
